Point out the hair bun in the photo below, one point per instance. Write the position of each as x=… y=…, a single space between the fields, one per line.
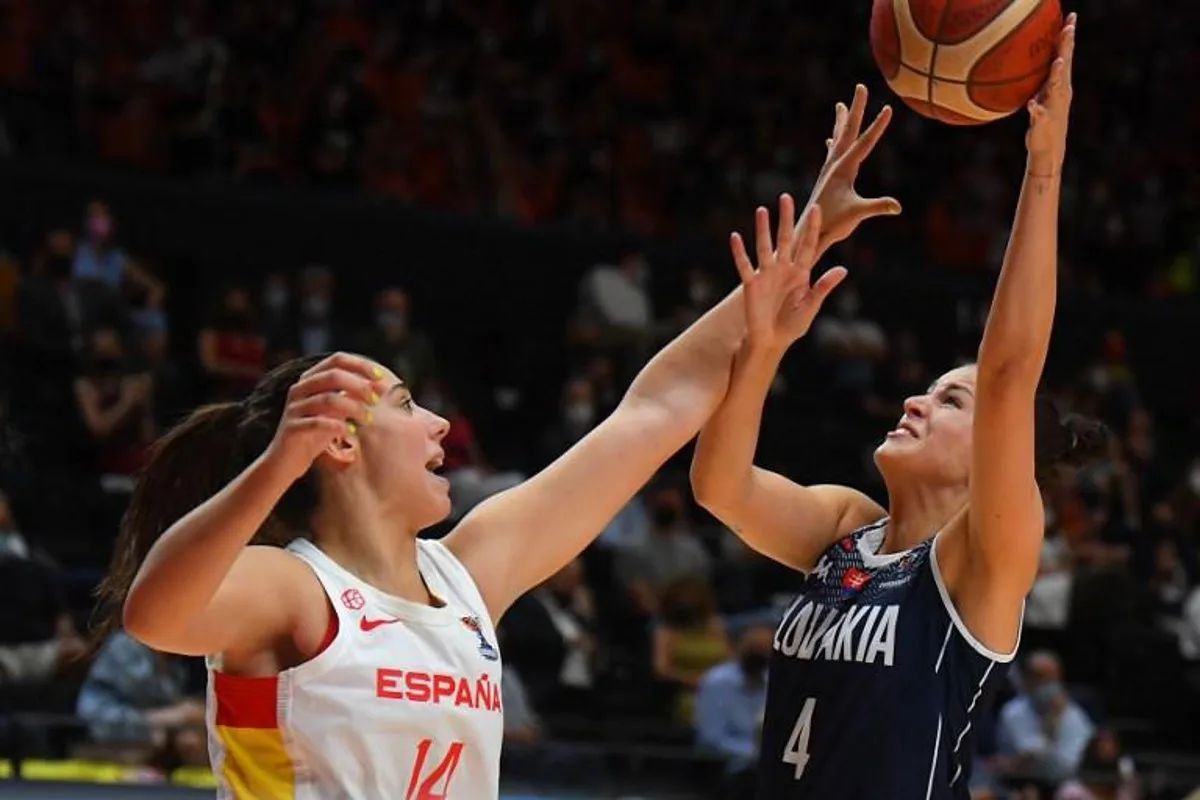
x=1067 y=440
x=1090 y=439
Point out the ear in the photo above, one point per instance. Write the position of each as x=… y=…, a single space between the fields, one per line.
x=343 y=451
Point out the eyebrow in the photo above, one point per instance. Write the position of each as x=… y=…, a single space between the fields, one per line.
x=950 y=387
x=398 y=386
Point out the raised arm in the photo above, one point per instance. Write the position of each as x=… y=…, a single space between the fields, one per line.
x=990 y=562
x=516 y=539
x=789 y=523
x=200 y=589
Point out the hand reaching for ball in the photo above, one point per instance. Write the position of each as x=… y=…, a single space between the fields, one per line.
x=1046 y=140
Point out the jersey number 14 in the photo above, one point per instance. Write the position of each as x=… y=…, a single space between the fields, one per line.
x=434 y=784
x=796 y=752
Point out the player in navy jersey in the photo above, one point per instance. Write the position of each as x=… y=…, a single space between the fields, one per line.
x=907 y=617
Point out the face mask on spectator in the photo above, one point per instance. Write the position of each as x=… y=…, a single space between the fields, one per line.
x=580 y=414
x=276 y=298
x=391 y=320
x=754 y=664
x=58 y=267
x=317 y=307
x=1044 y=696
x=665 y=516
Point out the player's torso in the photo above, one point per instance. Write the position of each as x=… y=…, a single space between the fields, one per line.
x=405 y=703
x=866 y=681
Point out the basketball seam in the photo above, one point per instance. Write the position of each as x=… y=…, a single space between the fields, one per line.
x=968 y=81
x=975 y=65
x=933 y=57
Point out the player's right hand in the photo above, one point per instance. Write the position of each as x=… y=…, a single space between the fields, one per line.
x=779 y=299
x=847 y=148
x=325 y=407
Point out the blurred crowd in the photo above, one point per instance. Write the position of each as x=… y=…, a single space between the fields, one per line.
x=662 y=628
x=657 y=117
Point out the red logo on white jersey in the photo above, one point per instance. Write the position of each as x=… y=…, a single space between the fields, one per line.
x=369 y=625
x=432 y=687
x=353 y=599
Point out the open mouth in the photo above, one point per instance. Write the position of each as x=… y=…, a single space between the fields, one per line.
x=905 y=428
x=434 y=465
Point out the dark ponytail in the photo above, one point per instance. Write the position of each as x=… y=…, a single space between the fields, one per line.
x=190 y=464
x=1067 y=439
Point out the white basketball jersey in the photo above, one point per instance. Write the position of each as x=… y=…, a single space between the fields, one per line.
x=403 y=704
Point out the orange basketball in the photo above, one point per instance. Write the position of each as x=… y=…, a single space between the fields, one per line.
x=965 y=62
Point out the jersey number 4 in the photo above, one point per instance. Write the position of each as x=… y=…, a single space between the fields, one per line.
x=796 y=752
x=434 y=785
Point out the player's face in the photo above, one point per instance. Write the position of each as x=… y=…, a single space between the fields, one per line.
x=932 y=441
x=401 y=447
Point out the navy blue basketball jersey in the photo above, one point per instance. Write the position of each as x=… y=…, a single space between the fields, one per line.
x=874 y=681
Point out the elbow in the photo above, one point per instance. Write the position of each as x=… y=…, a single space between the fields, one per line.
x=714 y=489
x=141 y=621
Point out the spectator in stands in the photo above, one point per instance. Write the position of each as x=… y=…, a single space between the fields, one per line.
x=167 y=385
x=689 y=640
x=56 y=314
x=317 y=331
x=1043 y=733
x=551 y=636
x=135 y=705
x=577 y=416
x=396 y=343
x=855 y=345
x=729 y=709
x=471 y=478
x=38 y=639
x=1106 y=773
x=279 y=319
x=116 y=404
x=671 y=551
x=98 y=258
x=615 y=308
x=232 y=346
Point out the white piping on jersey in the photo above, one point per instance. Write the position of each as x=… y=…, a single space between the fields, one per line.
x=869 y=542
x=976 y=645
x=967 y=727
x=933 y=766
x=949 y=630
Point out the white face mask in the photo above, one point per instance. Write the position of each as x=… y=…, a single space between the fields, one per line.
x=581 y=413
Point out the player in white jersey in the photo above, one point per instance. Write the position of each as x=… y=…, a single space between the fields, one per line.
x=277 y=536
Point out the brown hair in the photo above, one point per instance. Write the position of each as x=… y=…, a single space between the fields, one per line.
x=1066 y=439
x=189 y=465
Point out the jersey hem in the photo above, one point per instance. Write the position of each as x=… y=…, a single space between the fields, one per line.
x=959 y=625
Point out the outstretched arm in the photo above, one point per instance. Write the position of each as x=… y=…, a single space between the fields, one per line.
x=990 y=567
x=515 y=540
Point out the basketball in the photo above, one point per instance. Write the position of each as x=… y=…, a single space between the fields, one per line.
x=965 y=62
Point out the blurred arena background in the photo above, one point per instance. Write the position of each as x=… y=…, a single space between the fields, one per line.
x=514 y=202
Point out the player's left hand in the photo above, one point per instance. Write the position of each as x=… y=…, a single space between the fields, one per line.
x=842 y=208
x=1046 y=140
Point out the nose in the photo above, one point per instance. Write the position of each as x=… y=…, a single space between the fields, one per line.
x=439 y=426
x=917 y=407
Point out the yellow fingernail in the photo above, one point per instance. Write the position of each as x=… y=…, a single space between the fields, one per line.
x=350 y=426
x=370 y=417
x=378 y=372
x=374 y=398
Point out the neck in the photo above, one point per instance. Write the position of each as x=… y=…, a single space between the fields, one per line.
x=917 y=513
x=364 y=538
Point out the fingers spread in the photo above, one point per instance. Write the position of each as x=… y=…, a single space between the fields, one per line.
x=741 y=259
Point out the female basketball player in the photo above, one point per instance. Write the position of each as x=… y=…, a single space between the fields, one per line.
x=907 y=617
x=357 y=660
